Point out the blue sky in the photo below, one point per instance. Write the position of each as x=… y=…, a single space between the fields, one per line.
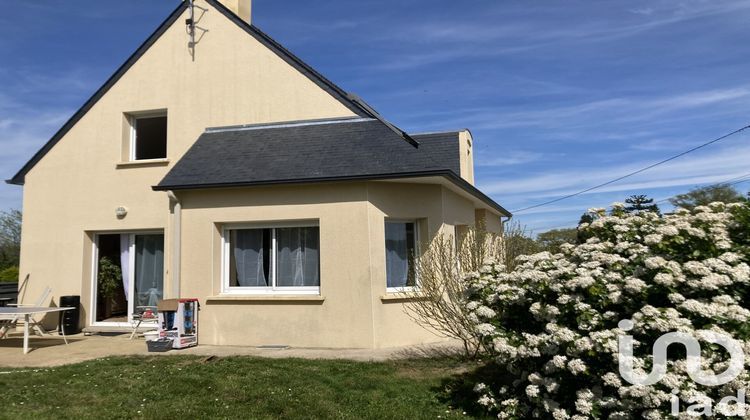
x=559 y=95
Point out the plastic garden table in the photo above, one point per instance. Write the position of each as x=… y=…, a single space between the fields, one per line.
x=26 y=312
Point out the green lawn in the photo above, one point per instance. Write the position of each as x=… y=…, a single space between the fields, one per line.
x=240 y=387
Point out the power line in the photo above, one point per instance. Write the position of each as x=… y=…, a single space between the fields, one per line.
x=741 y=181
x=741 y=177
x=604 y=184
x=732 y=181
x=547 y=228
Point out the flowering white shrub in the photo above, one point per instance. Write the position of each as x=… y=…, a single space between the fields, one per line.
x=551 y=325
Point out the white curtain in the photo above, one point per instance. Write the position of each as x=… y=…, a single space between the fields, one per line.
x=298 y=257
x=125 y=262
x=397 y=255
x=149 y=269
x=248 y=257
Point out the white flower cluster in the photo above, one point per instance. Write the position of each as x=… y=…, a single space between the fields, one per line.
x=552 y=323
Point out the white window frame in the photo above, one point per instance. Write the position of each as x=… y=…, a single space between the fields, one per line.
x=417 y=252
x=131 y=278
x=132 y=118
x=269 y=290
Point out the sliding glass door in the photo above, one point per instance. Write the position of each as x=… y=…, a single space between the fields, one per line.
x=148 y=273
x=129 y=273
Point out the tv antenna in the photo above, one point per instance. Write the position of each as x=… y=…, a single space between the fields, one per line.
x=191 y=26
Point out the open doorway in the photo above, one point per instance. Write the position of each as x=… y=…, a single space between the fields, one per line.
x=111 y=297
x=129 y=275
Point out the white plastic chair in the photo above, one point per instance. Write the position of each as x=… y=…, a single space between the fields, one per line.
x=144 y=315
x=8 y=323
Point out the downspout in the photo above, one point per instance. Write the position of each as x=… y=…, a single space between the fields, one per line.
x=502 y=222
x=176 y=242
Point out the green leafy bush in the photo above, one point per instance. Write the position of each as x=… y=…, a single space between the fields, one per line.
x=110 y=277
x=9 y=275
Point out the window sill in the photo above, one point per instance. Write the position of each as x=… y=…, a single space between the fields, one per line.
x=396 y=297
x=142 y=163
x=267 y=298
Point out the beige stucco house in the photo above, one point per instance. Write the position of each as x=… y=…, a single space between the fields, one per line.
x=222 y=167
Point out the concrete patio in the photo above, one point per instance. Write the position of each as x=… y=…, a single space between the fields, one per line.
x=52 y=351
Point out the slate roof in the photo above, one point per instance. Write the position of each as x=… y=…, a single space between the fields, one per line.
x=332 y=150
x=319 y=150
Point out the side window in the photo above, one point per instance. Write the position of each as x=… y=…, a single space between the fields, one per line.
x=400 y=254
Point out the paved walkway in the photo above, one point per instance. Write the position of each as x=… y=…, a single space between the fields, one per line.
x=52 y=351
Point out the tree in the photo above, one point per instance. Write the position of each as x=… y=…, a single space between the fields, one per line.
x=10 y=238
x=640 y=203
x=516 y=242
x=441 y=305
x=582 y=234
x=9 y=275
x=551 y=240
x=703 y=196
x=442 y=268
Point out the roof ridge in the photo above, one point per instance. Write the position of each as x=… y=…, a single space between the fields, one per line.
x=335 y=91
x=288 y=124
x=401 y=133
x=427 y=133
x=351 y=100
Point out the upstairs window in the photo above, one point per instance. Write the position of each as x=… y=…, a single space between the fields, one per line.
x=148 y=137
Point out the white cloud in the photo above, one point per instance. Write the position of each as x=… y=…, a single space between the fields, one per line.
x=618 y=109
x=646 y=11
x=26 y=125
x=526 y=29
x=707 y=166
x=554 y=209
x=510 y=157
x=19 y=140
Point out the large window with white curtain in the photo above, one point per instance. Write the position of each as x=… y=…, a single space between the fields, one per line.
x=278 y=259
x=400 y=255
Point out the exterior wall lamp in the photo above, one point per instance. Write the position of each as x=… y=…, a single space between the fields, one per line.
x=121 y=212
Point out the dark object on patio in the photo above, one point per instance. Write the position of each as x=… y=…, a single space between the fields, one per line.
x=160 y=345
x=8 y=293
x=69 y=320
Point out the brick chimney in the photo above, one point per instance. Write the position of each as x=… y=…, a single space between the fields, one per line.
x=241 y=8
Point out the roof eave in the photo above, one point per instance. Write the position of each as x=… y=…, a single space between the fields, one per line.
x=448 y=174
x=19 y=177
x=478 y=194
x=167 y=187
